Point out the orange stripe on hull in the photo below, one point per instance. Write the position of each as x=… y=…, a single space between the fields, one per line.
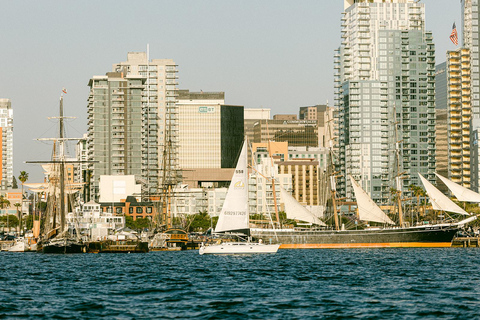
x=367 y=245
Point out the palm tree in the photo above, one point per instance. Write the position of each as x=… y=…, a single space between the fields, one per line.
x=23 y=177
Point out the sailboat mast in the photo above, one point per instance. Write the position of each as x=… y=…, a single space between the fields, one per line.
x=272 y=174
x=62 y=169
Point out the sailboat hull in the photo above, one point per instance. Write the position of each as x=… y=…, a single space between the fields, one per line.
x=239 y=248
x=63 y=246
x=425 y=236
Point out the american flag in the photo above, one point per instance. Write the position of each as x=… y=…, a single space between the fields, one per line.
x=454 y=35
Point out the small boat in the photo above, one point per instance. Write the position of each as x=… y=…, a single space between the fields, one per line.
x=234 y=217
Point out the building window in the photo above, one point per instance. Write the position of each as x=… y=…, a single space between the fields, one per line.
x=130 y=210
x=118 y=210
x=139 y=210
x=149 y=209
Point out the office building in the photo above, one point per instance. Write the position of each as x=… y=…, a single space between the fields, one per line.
x=210 y=133
x=385 y=95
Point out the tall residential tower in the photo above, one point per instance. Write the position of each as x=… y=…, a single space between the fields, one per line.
x=385 y=94
x=6 y=134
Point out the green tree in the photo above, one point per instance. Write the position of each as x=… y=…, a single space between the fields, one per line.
x=14 y=183
x=201 y=222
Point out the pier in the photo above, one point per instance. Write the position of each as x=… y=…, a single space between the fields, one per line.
x=466 y=242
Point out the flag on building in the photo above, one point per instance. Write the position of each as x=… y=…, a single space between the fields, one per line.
x=64 y=90
x=454 y=35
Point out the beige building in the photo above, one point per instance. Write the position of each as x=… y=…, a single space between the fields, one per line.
x=459 y=116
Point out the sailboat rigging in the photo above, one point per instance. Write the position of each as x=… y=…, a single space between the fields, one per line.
x=56 y=236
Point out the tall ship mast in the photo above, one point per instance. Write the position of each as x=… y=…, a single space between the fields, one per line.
x=56 y=235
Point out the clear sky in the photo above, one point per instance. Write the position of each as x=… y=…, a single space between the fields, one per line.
x=274 y=54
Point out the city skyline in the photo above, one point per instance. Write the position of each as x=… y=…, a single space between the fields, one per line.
x=274 y=55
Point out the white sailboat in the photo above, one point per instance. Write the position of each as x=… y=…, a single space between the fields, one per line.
x=234 y=217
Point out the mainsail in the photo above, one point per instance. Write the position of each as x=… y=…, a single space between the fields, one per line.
x=461 y=193
x=234 y=214
x=367 y=209
x=296 y=211
x=439 y=200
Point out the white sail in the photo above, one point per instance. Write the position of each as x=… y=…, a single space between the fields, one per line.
x=367 y=209
x=461 y=193
x=234 y=214
x=439 y=200
x=296 y=211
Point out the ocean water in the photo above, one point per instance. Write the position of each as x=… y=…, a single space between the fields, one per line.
x=293 y=284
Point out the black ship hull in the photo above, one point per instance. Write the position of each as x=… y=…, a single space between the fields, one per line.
x=425 y=236
x=63 y=246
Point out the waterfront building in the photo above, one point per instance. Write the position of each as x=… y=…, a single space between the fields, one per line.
x=210 y=133
x=159 y=117
x=385 y=95
x=115 y=126
x=82 y=173
x=459 y=116
x=6 y=140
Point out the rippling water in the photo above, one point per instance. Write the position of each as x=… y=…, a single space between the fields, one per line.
x=293 y=284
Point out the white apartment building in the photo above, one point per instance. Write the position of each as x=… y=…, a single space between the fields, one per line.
x=159 y=116
x=385 y=95
x=6 y=163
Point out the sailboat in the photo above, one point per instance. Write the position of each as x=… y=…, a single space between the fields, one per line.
x=234 y=216
x=384 y=236
x=57 y=235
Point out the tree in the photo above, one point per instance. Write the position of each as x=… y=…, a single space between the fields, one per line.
x=23 y=177
x=14 y=183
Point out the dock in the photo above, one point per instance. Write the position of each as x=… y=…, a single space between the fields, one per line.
x=466 y=242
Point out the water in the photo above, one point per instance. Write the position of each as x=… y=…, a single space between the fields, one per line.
x=293 y=284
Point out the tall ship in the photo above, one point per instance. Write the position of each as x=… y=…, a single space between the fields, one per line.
x=385 y=235
x=56 y=234
x=371 y=227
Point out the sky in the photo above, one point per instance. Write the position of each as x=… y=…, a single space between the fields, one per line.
x=273 y=54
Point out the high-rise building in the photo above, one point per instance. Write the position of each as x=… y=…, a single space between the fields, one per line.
x=385 y=94
x=459 y=116
x=470 y=25
x=115 y=126
x=159 y=117
x=6 y=163
x=210 y=133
